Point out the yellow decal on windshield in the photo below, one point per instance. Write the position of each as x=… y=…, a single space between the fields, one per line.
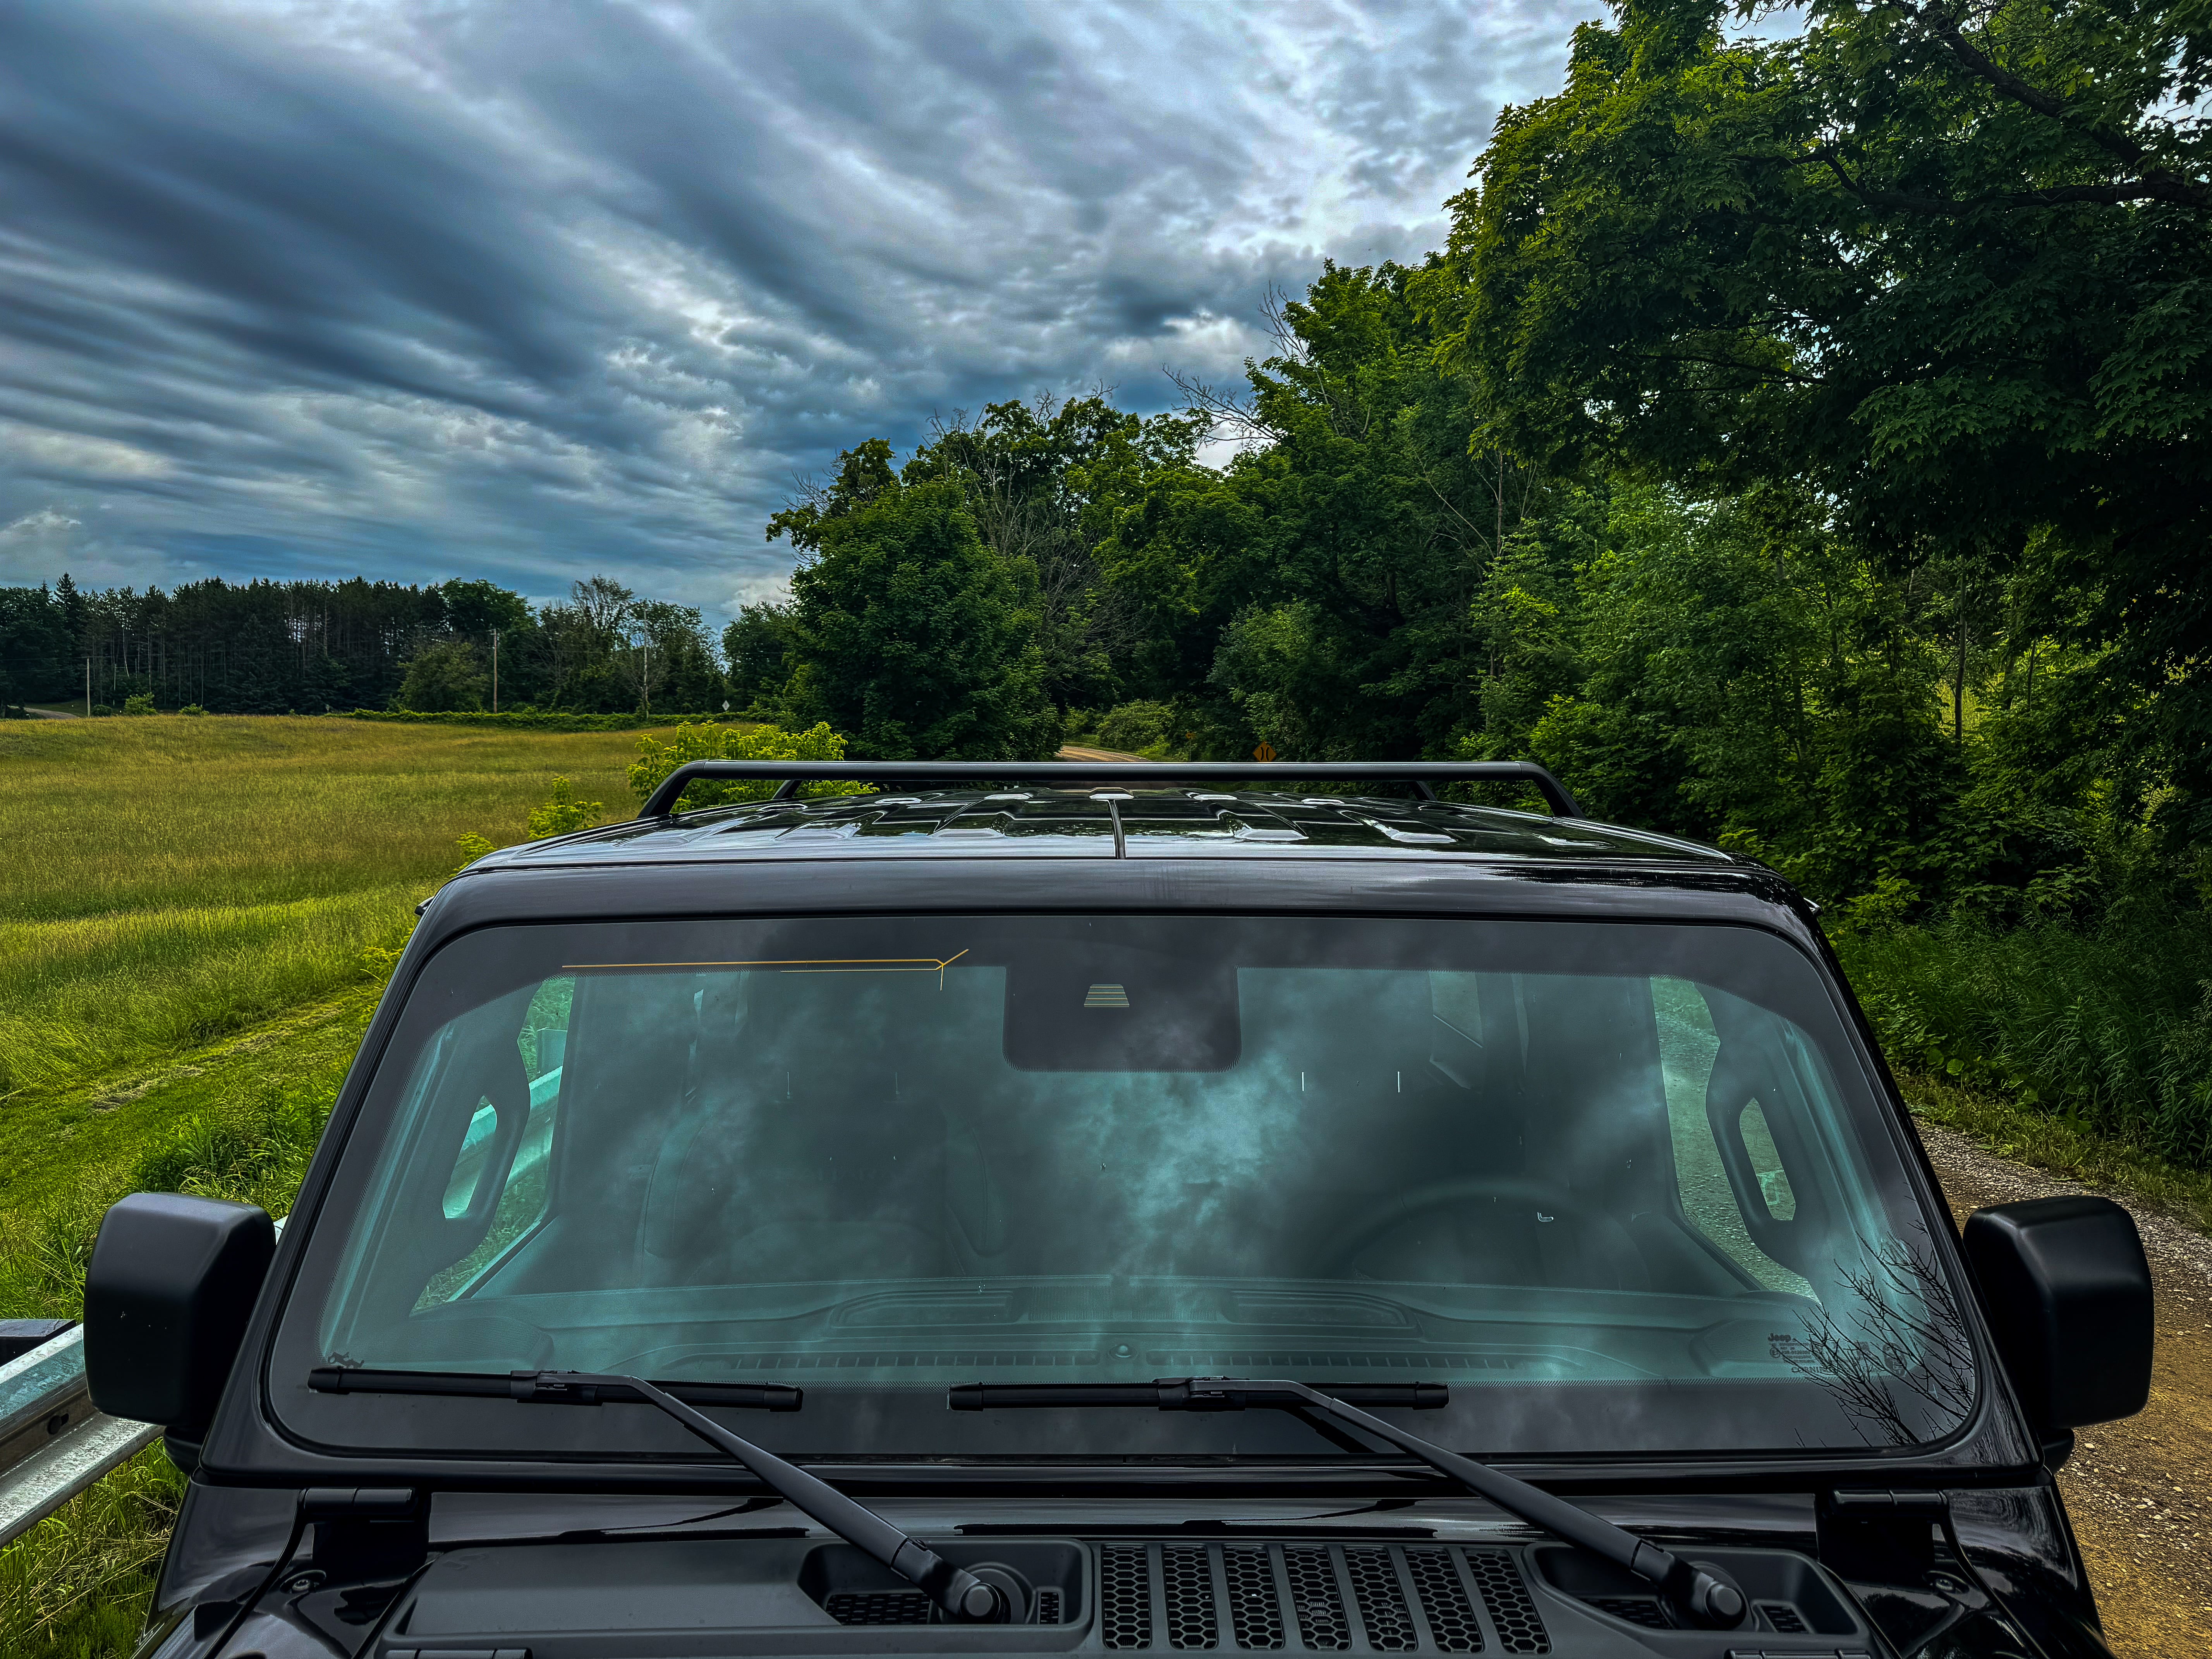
x=787 y=964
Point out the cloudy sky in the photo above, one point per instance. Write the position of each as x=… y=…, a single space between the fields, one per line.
x=529 y=290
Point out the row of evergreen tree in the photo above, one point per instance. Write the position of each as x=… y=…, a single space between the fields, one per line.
x=269 y=647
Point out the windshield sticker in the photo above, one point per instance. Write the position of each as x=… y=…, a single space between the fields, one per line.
x=787 y=965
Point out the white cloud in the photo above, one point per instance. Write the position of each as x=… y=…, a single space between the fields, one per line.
x=437 y=287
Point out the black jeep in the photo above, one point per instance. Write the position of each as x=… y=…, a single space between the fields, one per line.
x=1064 y=1209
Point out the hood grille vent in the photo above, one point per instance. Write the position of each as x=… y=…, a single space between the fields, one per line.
x=1125 y=1596
x=1375 y=1598
x=1320 y=1603
x=1255 y=1614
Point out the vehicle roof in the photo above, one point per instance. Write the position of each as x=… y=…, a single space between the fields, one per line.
x=1107 y=823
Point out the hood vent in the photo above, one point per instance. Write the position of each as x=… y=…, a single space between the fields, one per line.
x=1350 y=1598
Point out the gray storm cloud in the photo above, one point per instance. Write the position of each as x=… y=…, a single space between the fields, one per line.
x=528 y=291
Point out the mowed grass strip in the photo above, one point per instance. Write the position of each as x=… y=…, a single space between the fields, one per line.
x=167 y=879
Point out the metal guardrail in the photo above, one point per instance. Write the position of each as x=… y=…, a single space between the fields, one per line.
x=54 y=1442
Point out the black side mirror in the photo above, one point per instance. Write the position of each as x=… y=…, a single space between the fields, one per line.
x=2069 y=1300
x=171 y=1285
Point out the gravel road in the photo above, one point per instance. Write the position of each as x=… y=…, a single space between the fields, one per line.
x=2140 y=1492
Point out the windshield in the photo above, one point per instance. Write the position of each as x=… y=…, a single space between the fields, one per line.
x=1621 y=1188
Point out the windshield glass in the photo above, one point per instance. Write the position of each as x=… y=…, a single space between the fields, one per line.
x=1621 y=1186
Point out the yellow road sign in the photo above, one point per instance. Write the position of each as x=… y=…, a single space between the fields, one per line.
x=1264 y=753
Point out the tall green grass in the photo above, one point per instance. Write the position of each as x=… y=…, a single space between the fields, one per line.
x=77 y=1585
x=83 y=997
x=166 y=880
x=2109 y=1030
x=99 y=816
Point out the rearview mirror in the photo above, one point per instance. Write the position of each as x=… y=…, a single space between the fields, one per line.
x=2069 y=1300
x=171 y=1285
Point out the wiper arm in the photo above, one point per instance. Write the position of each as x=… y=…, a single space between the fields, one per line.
x=1696 y=1596
x=961 y=1594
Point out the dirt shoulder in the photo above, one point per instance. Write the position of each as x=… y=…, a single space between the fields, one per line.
x=2140 y=1492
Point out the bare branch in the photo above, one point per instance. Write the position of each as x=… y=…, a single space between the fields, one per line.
x=1232 y=417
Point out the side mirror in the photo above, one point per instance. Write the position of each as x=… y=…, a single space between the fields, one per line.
x=171 y=1285
x=2069 y=1300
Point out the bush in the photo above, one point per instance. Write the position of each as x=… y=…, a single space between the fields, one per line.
x=1135 y=726
x=561 y=814
x=100 y=709
x=656 y=760
x=191 y=709
x=139 y=704
x=2110 y=1029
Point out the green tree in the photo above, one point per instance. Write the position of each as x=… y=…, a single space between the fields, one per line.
x=1944 y=266
x=911 y=635
x=1316 y=592
x=1743 y=678
x=757 y=651
x=475 y=608
x=443 y=677
x=1043 y=480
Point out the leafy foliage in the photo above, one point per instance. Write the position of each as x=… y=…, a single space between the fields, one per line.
x=656 y=760
x=442 y=678
x=911 y=635
x=1943 y=268
x=563 y=814
x=307 y=646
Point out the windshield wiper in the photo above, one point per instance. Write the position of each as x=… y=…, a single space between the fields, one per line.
x=1695 y=1595
x=961 y=1594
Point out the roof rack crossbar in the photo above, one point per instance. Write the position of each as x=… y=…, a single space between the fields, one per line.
x=1425 y=776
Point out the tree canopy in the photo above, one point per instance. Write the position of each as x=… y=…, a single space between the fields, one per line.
x=913 y=638
x=1941 y=269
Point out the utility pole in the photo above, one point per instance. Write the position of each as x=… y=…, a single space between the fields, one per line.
x=495 y=671
x=88 y=685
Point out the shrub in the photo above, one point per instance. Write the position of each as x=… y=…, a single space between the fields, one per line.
x=561 y=814
x=2110 y=1029
x=1135 y=726
x=191 y=709
x=138 y=703
x=656 y=760
x=100 y=709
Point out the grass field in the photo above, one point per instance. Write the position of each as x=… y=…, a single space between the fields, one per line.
x=170 y=880
x=185 y=908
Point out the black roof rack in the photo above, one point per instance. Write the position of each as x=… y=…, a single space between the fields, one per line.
x=1423 y=775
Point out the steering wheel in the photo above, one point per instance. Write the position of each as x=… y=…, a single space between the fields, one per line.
x=1541 y=1197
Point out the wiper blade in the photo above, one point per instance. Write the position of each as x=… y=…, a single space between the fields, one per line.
x=1693 y=1594
x=540 y=1388
x=961 y=1594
